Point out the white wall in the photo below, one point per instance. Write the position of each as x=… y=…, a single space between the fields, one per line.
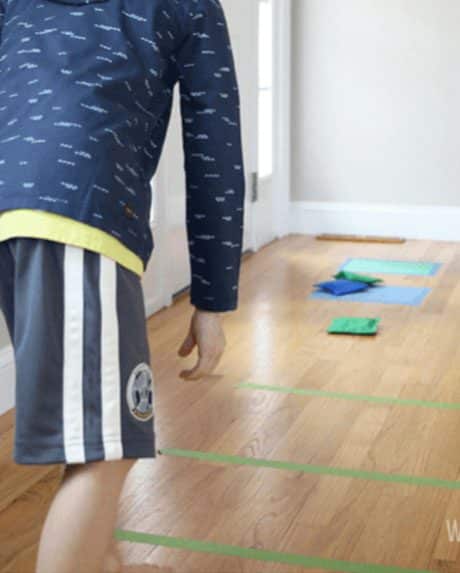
x=376 y=102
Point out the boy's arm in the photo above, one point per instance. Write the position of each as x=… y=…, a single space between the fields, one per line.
x=213 y=156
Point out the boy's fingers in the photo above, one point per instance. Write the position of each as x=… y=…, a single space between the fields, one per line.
x=205 y=365
x=187 y=346
x=194 y=373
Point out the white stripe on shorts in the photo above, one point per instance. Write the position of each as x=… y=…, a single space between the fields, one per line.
x=110 y=361
x=73 y=423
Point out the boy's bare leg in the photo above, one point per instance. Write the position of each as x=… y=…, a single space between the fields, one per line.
x=78 y=531
x=112 y=559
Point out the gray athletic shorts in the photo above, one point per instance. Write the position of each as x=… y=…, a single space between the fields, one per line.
x=84 y=387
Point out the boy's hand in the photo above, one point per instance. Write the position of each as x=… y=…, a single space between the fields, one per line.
x=206 y=332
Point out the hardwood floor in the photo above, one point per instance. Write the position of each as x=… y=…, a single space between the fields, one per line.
x=278 y=337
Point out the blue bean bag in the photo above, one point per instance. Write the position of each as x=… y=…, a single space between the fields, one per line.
x=342 y=286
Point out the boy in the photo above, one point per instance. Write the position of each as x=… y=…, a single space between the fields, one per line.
x=85 y=98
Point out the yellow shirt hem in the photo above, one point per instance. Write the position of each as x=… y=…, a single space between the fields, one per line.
x=52 y=227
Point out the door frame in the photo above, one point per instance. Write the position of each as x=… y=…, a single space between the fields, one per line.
x=282 y=116
x=279 y=182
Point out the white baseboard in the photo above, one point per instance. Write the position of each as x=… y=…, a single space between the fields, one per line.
x=407 y=221
x=7 y=379
x=154 y=304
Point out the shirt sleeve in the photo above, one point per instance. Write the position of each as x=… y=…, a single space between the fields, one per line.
x=215 y=179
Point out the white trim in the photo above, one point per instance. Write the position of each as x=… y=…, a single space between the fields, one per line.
x=249 y=95
x=7 y=379
x=282 y=116
x=72 y=391
x=439 y=223
x=110 y=361
x=269 y=216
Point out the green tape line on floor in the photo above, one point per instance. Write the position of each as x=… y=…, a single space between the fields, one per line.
x=349 y=396
x=311 y=469
x=258 y=554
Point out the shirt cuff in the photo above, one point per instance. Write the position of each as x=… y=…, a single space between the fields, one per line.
x=215 y=305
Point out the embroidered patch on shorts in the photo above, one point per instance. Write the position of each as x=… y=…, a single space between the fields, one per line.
x=139 y=392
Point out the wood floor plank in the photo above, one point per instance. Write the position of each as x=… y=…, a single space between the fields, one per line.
x=21 y=523
x=16 y=479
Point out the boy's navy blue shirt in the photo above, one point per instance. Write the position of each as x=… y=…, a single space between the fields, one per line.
x=86 y=89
